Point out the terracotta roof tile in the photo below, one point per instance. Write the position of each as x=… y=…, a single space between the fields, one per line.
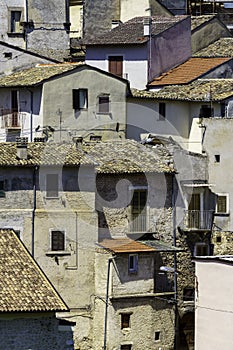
x=23 y=287
x=131 y=32
x=125 y=245
x=186 y=72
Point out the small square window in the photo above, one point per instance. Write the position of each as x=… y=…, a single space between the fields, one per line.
x=218 y=239
x=222 y=204
x=133 y=263
x=104 y=104
x=125 y=320
x=188 y=294
x=217 y=158
x=57 y=240
x=126 y=347
x=157 y=336
x=201 y=249
x=52 y=185
x=80 y=99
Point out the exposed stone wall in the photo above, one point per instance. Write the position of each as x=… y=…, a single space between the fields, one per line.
x=223 y=242
x=35 y=333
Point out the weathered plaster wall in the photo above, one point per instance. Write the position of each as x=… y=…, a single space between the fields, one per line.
x=38 y=332
x=58 y=109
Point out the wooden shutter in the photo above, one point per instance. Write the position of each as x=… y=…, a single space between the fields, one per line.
x=115 y=65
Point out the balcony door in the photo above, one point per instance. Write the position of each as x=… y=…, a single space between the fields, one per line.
x=138 y=211
x=194 y=207
x=14 y=108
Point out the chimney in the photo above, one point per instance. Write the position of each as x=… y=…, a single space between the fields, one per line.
x=21 y=145
x=147 y=26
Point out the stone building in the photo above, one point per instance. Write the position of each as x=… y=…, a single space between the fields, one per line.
x=28 y=301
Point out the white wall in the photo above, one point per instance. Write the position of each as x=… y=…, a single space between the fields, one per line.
x=214 y=306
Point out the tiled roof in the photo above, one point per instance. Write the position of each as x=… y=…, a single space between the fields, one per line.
x=125 y=245
x=198 y=90
x=124 y=156
x=188 y=71
x=59 y=55
x=197 y=21
x=222 y=47
x=36 y=75
x=47 y=153
x=128 y=156
x=131 y=32
x=23 y=286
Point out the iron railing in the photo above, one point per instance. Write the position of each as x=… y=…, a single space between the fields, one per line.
x=11 y=119
x=198 y=219
x=138 y=223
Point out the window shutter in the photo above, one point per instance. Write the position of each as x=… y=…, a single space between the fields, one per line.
x=76 y=99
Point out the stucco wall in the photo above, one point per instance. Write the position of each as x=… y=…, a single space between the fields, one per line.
x=213 y=309
x=58 y=109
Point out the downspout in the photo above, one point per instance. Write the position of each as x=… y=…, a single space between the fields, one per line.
x=34 y=208
x=110 y=260
x=26 y=18
x=31 y=113
x=175 y=259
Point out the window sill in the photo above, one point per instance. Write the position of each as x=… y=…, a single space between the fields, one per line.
x=57 y=253
x=52 y=197
x=221 y=214
x=15 y=34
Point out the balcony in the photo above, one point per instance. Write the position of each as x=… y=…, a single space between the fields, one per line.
x=198 y=220
x=138 y=223
x=11 y=119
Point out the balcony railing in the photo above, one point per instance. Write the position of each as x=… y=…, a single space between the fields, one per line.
x=164 y=282
x=138 y=223
x=198 y=219
x=11 y=119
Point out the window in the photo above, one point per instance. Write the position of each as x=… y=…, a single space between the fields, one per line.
x=222 y=205
x=157 y=336
x=162 y=111
x=217 y=158
x=15 y=18
x=52 y=185
x=218 y=239
x=201 y=249
x=57 y=240
x=126 y=347
x=125 y=320
x=138 y=210
x=133 y=263
x=188 y=294
x=2 y=189
x=206 y=111
x=104 y=104
x=80 y=99
x=115 y=65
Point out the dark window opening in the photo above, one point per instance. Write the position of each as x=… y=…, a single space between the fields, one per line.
x=2 y=189
x=104 y=104
x=133 y=263
x=218 y=239
x=115 y=65
x=217 y=158
x=162 y=111
x=157 y=336
x=201 y=249
x=52 y=185
x=188 y=294
x=206 y=111
x=126 y=347
x=221 y=204
x=15 y=21
x=138 y=210
x=125 y=320
x=57 y=240
x=80 y=98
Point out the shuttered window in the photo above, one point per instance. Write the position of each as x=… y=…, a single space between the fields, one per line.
x=115 y=65
x=104 y=105
x=57 y=240
x=221 y=204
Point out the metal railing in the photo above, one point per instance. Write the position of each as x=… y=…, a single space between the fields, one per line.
x=138 y=223
x=198 y=219
x=11 y=119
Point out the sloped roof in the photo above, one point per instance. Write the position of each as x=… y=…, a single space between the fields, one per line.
x=40 y=153
x=128 y=156
x=125 y=245
x=199 y=90
x=222 y=47
x=197 y=21
x=188 y=71
x=132 y=32
x=23 y=286
x=123 y=156
x=36 y=75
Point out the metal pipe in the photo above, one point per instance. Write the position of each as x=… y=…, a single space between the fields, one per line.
x=175 y=259
x=106 y=304
x=34 y=208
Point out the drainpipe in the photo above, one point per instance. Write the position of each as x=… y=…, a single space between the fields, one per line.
x=110 y=260
x=34 y=208
x=175 y=260
x=31 y=113
x=26 y=18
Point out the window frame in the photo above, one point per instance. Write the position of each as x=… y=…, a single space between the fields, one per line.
x=78 y=95
x=219 y=213
x=63 y=243
x=115 y=65
x=125 y=320
x=104 y=107
x=12 y=30
x=48 y=196
x=133 y=263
